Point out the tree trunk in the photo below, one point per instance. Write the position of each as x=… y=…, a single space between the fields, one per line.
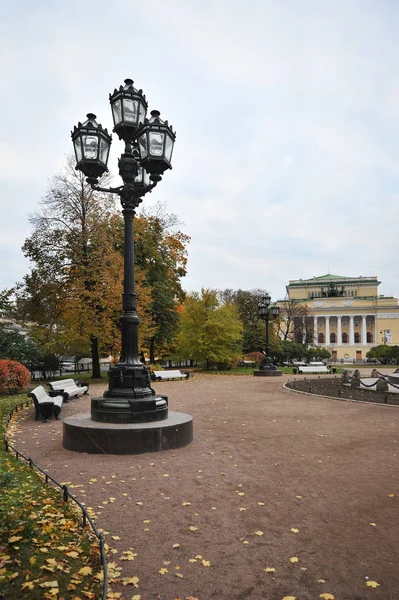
x=152 y=351
x=95 y=358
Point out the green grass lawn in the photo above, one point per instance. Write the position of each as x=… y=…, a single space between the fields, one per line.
x=44 y=551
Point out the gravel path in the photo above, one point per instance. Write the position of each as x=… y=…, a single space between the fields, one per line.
x=304 y=485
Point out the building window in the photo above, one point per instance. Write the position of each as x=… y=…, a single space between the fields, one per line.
x=369 y=338
x=356 y=323
x=344 y=338
x=368 y=323
x=333 y=338
x=357 y=338
x=320 y=338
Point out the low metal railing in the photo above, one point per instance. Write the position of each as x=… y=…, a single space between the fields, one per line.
x=66 y=495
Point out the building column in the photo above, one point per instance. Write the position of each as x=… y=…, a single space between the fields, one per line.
x=364 y=330
x=327 y=330
x=339 y=330
x=351 y=331
x=375 y=343
x=315 y=332
x=303 y=330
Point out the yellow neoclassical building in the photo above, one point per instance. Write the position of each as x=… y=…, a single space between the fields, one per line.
x=349 y=316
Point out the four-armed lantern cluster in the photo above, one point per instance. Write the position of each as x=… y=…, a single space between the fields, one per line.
x=148 y=153
x=267 y=312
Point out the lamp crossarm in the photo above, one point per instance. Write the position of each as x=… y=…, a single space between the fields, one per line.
x=98 y=188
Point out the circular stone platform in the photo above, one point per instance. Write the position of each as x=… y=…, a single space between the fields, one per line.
x=268 y=373
x=81 y=434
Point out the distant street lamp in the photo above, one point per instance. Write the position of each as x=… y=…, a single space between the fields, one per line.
x=148 y=152
x=267 y=312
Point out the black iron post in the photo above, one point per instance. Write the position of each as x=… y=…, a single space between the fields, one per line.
x=148 y=150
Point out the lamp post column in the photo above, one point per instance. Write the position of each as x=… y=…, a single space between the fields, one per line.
x=267 y=345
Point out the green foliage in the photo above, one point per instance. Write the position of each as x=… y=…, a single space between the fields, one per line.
x=317 y=353
x=384 y=353
x=211 y=332
x=17 y=347
x=247 y=305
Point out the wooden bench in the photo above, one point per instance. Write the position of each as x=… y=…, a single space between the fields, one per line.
x=165 y=375
x=70 y=388
x=313 y=369
x=46 y=405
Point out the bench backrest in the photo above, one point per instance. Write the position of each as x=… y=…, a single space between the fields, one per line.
x=40 y=394
x=168 y=374
x=314 y=369
x=61 y=384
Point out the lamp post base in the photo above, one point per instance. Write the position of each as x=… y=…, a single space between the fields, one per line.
x=129 y=410
x=268 y=373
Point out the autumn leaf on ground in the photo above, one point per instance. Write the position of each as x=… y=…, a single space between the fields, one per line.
x=321 y=581
x=14 y=538
x=176 y=546
x=242 y=509
x=373 y=524
x=163 y=571
x=269 y=570
x=85 y=571
x=294 y=559
x=179 y=575
x=327 y=596
x=372 y=584
x=115 y=537
x=205 y=563
x=260 y=533
x=261 y=503
x=192 y=528
x=294 y=530
x=391 y=495
x=136 y=597
x=289 y=598
x=186 y=503
x=130 y=580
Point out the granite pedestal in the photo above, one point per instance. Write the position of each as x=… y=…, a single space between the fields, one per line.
x=81 y=434
x=268 y=373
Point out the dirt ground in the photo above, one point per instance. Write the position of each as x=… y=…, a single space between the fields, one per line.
x=304 y=486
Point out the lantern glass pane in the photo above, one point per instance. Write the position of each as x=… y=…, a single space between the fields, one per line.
x=142 y=112
x=130 y=111
x=78 y=149
x=143 y=146
x=139 y=176
x=168 y=148
x=156 y=143
x=104 y=150
x=117 y=112
x=90 y=146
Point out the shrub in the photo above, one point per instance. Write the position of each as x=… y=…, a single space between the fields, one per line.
x=255 y=356
x=14 y=377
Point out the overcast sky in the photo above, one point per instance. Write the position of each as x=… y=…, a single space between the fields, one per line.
x=286 y=162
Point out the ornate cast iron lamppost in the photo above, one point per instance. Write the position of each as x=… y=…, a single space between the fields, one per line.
x=148 y=152
x=267 y=312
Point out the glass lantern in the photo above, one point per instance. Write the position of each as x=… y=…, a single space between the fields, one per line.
x=129 y=109
x=91 y=144
x=156 y=139
x=275 y=311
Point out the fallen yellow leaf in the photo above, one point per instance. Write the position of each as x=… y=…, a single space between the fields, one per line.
x=261 y=503
x=73 y=554
x=327 y=596
x=294 y=530
x=136 y=597
x=29 y=585
x=176 y=546
x=85 y=571
x=49 y=584
x=373 y=524
x=192 y=528
x=14 y=538
x=289 y=598
x=321 y=581
x=260 y=533
x=179 y=575
x=205 y=563
x=372 y=584
x=391 y=495
x=115 y=537
x=294 y=559
x=165 y=475
x=130 y=580
x=242 y=509
x=163 y=570
x=186 y=503
x=269 y=570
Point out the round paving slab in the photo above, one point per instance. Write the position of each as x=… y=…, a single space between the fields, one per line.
x=81 y=434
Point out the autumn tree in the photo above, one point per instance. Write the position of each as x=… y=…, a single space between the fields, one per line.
x=247 y=302
x=161 y=257
x=296 y=322
x=211 y=331
x=72 y=293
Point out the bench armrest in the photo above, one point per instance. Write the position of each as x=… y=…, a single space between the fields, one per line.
x=54 y=393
